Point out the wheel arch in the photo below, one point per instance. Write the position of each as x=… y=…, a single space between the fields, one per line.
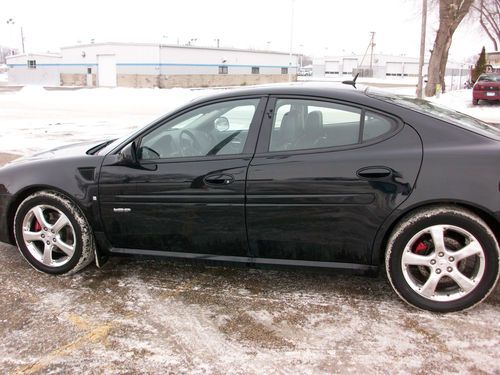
x=380 y=244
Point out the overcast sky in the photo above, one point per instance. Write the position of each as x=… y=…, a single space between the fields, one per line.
x=320 y=26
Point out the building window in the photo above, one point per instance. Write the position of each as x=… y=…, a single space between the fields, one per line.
x=255 y=70
x=284 y=70
x=222 y=69
x=31 y=64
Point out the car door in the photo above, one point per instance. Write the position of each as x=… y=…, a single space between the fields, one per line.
x=187 y=192
x=325 y=176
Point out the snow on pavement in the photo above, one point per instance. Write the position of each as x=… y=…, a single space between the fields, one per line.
x=35 y=119
x=160 y=317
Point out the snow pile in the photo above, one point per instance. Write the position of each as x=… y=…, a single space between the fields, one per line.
x=461 y=101
x=34 y=119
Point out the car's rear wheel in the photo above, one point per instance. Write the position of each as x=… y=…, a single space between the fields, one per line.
x=52 y=234
x=443 y=259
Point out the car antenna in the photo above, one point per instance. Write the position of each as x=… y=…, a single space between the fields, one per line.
x=353 y=82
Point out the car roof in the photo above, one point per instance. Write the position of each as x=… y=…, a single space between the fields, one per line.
x=320 y=89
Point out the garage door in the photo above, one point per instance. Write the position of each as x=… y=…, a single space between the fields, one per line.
x=394 y=69
x=106 y=70
x=349 y=65
x=331 y=67
x=411 y=69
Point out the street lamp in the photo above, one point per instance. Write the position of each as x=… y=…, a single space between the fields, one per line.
x=11 y=21
x=420 y=83
x=291 y=42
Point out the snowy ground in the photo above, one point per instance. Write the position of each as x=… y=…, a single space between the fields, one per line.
x=161 y=317
x=35 y=119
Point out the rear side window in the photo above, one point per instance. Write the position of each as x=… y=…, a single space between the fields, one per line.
x=376 y=126
x=308 y=124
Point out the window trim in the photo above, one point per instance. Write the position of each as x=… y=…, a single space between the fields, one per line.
x=248 y=148
x=264 y=140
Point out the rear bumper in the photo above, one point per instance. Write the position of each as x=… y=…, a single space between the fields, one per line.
x=486 y=95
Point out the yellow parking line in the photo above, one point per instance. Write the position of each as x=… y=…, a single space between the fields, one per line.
x=97 y=334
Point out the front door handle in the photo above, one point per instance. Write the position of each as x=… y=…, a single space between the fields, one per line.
x=219 y=179
x=370 y=173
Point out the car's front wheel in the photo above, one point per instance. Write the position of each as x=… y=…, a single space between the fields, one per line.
x=443 y=259
x=52 y=234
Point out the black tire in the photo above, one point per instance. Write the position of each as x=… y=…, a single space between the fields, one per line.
x=459 y=228
x=475 y=101
x=69 y=248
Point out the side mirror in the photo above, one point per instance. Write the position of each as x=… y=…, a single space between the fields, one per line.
x=128 y=155
x=221 y=124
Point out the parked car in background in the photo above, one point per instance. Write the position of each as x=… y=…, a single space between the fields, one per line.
x=304 y=175
x=487 y=87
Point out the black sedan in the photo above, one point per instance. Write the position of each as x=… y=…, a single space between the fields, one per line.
x=315 y=176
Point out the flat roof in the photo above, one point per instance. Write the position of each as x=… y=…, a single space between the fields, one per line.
x=177 y=46
x=34 y=54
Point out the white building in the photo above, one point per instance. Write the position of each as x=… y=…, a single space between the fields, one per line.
x=151 y=65
x=383 y=66
x=34 y=69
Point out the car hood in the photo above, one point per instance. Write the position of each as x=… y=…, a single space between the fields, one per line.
x=74 y=149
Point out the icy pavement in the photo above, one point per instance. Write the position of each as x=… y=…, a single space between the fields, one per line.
x=156 y=316
x=34 y=119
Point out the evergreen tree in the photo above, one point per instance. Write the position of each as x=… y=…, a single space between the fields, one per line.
x=480 y=66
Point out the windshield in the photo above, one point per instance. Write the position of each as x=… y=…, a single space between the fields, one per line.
x=438 y=111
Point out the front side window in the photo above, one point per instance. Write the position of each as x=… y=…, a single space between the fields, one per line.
x=215 y=129
x=309 y=124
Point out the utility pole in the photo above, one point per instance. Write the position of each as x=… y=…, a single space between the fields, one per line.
x=291 y=44
x=11 y=21
x=372 y=45
x=422 y=50
x=22 y=38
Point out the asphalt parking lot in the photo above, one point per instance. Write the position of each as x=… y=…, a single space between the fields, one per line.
x=141 y=315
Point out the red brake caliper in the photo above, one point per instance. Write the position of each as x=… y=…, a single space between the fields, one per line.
x=37 y=227
x=421 y=248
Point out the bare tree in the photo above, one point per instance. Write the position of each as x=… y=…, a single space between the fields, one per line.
x=451 y=13
x=489 y=19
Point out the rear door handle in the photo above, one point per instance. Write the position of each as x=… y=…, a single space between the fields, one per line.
x=219 y=179
x=370 y=173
